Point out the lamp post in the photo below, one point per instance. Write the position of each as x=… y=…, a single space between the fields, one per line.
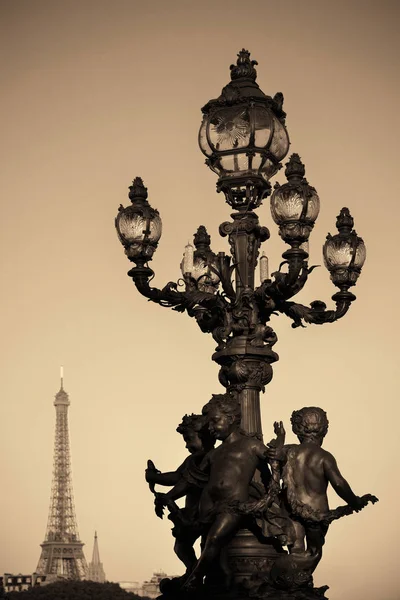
x=244 y=138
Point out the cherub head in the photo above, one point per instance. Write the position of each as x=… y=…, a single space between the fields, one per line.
x=196 y=434
x=224 y=414
x=310 y=423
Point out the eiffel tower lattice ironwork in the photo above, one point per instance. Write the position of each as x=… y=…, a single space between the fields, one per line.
x=62 y=551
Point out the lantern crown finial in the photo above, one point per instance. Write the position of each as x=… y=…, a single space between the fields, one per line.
x=294 y=168
x=201 y=237
x=137 y=191
x=244 y=68
x=202 y=242
x=344 y=221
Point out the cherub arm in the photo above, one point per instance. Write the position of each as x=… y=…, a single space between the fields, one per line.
x=170 y=478
x=339 y=483
x=268 y=454
x=188 y=479
x=275 y=449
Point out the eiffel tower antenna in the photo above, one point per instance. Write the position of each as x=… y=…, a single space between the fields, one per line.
x=62 y=551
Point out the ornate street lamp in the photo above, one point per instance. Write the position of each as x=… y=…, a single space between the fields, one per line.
x=244 y=138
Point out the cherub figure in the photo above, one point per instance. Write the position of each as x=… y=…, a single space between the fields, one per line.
x=307 y=471
x=230 y=467
x=186 y=530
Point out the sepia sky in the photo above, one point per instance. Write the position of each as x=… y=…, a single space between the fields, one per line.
x=97 y=92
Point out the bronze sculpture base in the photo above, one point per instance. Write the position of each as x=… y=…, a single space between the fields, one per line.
x=259 y=571
x=248 y=556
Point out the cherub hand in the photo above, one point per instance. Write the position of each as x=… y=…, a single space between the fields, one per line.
x=362 y=502
x=271 y=451
x=151 y=472
x=279 y=429
x=150 y=475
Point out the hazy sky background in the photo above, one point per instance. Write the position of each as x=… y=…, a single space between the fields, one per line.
x=95 y=93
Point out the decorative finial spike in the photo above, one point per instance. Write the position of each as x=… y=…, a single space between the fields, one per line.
x=137 y=191
x=62 y=376
x=244 y=68
x=294 y=168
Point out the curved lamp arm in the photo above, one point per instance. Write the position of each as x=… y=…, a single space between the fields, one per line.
x=272 y=293
x=190 y=300
x=168 y=296
x=316 y=313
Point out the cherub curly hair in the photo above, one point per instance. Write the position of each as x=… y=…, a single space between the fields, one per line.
x=191 y=423
x=199 y=424
x=226 y=403
x=309 y=422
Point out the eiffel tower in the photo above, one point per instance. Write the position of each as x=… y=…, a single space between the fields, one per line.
x=62 y=551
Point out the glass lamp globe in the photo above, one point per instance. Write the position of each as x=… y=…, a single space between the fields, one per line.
x=243 y=135
x=139 y=225
x=201 y=263
x=345 y=252
x=295 y=205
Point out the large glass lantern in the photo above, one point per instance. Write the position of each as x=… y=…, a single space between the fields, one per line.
x=243 y=135
x=139 y=225
x=345 y=252
x=295 y=205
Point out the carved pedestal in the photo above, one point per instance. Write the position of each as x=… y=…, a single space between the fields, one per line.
x=247 y=556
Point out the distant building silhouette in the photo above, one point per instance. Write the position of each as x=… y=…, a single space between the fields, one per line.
x=130 y=586
x=149 y=589
x=19 y=582
x=95 y=569
x=62 y=551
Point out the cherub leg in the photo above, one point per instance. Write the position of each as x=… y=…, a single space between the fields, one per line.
x=184 y=550
x=300 y=533
x=225 y=568
x=223 y=528
x=315 y=536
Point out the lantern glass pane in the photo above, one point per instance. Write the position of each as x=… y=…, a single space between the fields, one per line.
x=361 y=254
x=257 y=159
x=230 y=128
x=206 y=278
x=262 y=127
x=313 y=207
x=337 y=252
x=203 y=142
x=234 y=163
x=280 y=140
x=286 y=205
x=268 y=169
x=133 y=227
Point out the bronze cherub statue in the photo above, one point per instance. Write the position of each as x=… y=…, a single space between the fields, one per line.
x=306 y=472
x=186 y=530
x=230 y=467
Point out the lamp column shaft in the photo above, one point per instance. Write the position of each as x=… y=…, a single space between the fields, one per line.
x=243 y=251
x=245 y=369
x=251 y=413
x=245 y=360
